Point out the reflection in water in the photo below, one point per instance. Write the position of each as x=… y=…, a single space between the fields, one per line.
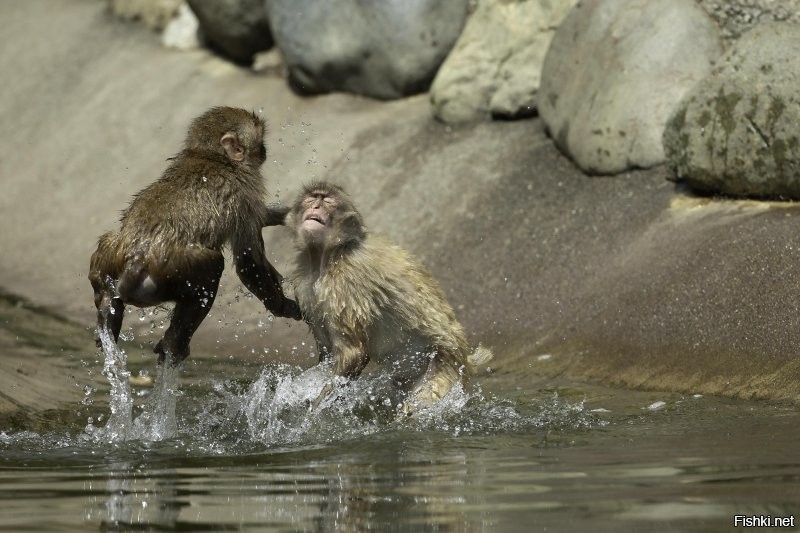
x=132 y=499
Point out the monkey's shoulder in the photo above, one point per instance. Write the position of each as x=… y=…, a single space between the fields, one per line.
x=398 y=266
x=380 y=279
x=197 y=169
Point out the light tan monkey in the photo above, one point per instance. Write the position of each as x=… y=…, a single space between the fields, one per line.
x=368 y=299
x=169 y=244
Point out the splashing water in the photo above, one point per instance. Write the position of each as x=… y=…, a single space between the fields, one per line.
x=277 y=405
x=274 y=410
x=120 y=422
x=158 y=420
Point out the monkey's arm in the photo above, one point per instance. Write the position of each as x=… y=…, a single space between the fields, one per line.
x=274 y=215
x=261 y=278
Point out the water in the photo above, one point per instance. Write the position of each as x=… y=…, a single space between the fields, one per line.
x=157 y=421
x=222 y=445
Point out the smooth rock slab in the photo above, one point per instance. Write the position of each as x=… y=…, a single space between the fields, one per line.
x=380 y=48
x=738 y=131
x=614 y=73
x=495 y=66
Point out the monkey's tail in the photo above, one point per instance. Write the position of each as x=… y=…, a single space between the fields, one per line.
x=480 y=357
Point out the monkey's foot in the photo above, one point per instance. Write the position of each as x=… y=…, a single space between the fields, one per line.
x=175 y=357
x=326 y=390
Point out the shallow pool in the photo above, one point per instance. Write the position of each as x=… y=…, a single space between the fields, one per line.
x=244 y=453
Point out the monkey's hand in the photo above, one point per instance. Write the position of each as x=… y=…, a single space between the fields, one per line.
x=290 y=310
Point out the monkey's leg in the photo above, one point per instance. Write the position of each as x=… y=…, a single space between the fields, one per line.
x=186 y=318
x=350 y=358
x=104 y=267
x=261 y=278
x=193 y=300
x=433 y=386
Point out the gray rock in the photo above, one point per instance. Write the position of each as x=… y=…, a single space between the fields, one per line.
x=495 y=66
x=738 y=131
x=614 y=73
x=238 y=29
x=379 y=48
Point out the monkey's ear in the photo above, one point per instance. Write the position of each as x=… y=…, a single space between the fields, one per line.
x=234 y=149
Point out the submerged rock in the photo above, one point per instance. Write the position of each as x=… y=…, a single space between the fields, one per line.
x=495 y=66
x=614 y=73
x=738 y=131
x=384 y=49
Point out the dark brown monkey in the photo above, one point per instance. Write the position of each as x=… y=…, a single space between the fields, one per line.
x=169 y=245
x=368 y=299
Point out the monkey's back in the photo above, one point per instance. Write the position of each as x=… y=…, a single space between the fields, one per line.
x=208 y=201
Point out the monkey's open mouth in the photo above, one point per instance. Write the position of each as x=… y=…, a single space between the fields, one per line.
x=315 y=218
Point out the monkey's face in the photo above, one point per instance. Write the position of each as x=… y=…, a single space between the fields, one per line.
x=316 y=214
x=253 y=141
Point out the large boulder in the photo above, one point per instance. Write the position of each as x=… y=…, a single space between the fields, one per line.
x=238 y=29
x=738 y=131
x=384 y=49
x=614 y=73
x=495 y=66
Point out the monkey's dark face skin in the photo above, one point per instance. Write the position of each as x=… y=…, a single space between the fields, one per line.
x=317 y=210
x=325 y=221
